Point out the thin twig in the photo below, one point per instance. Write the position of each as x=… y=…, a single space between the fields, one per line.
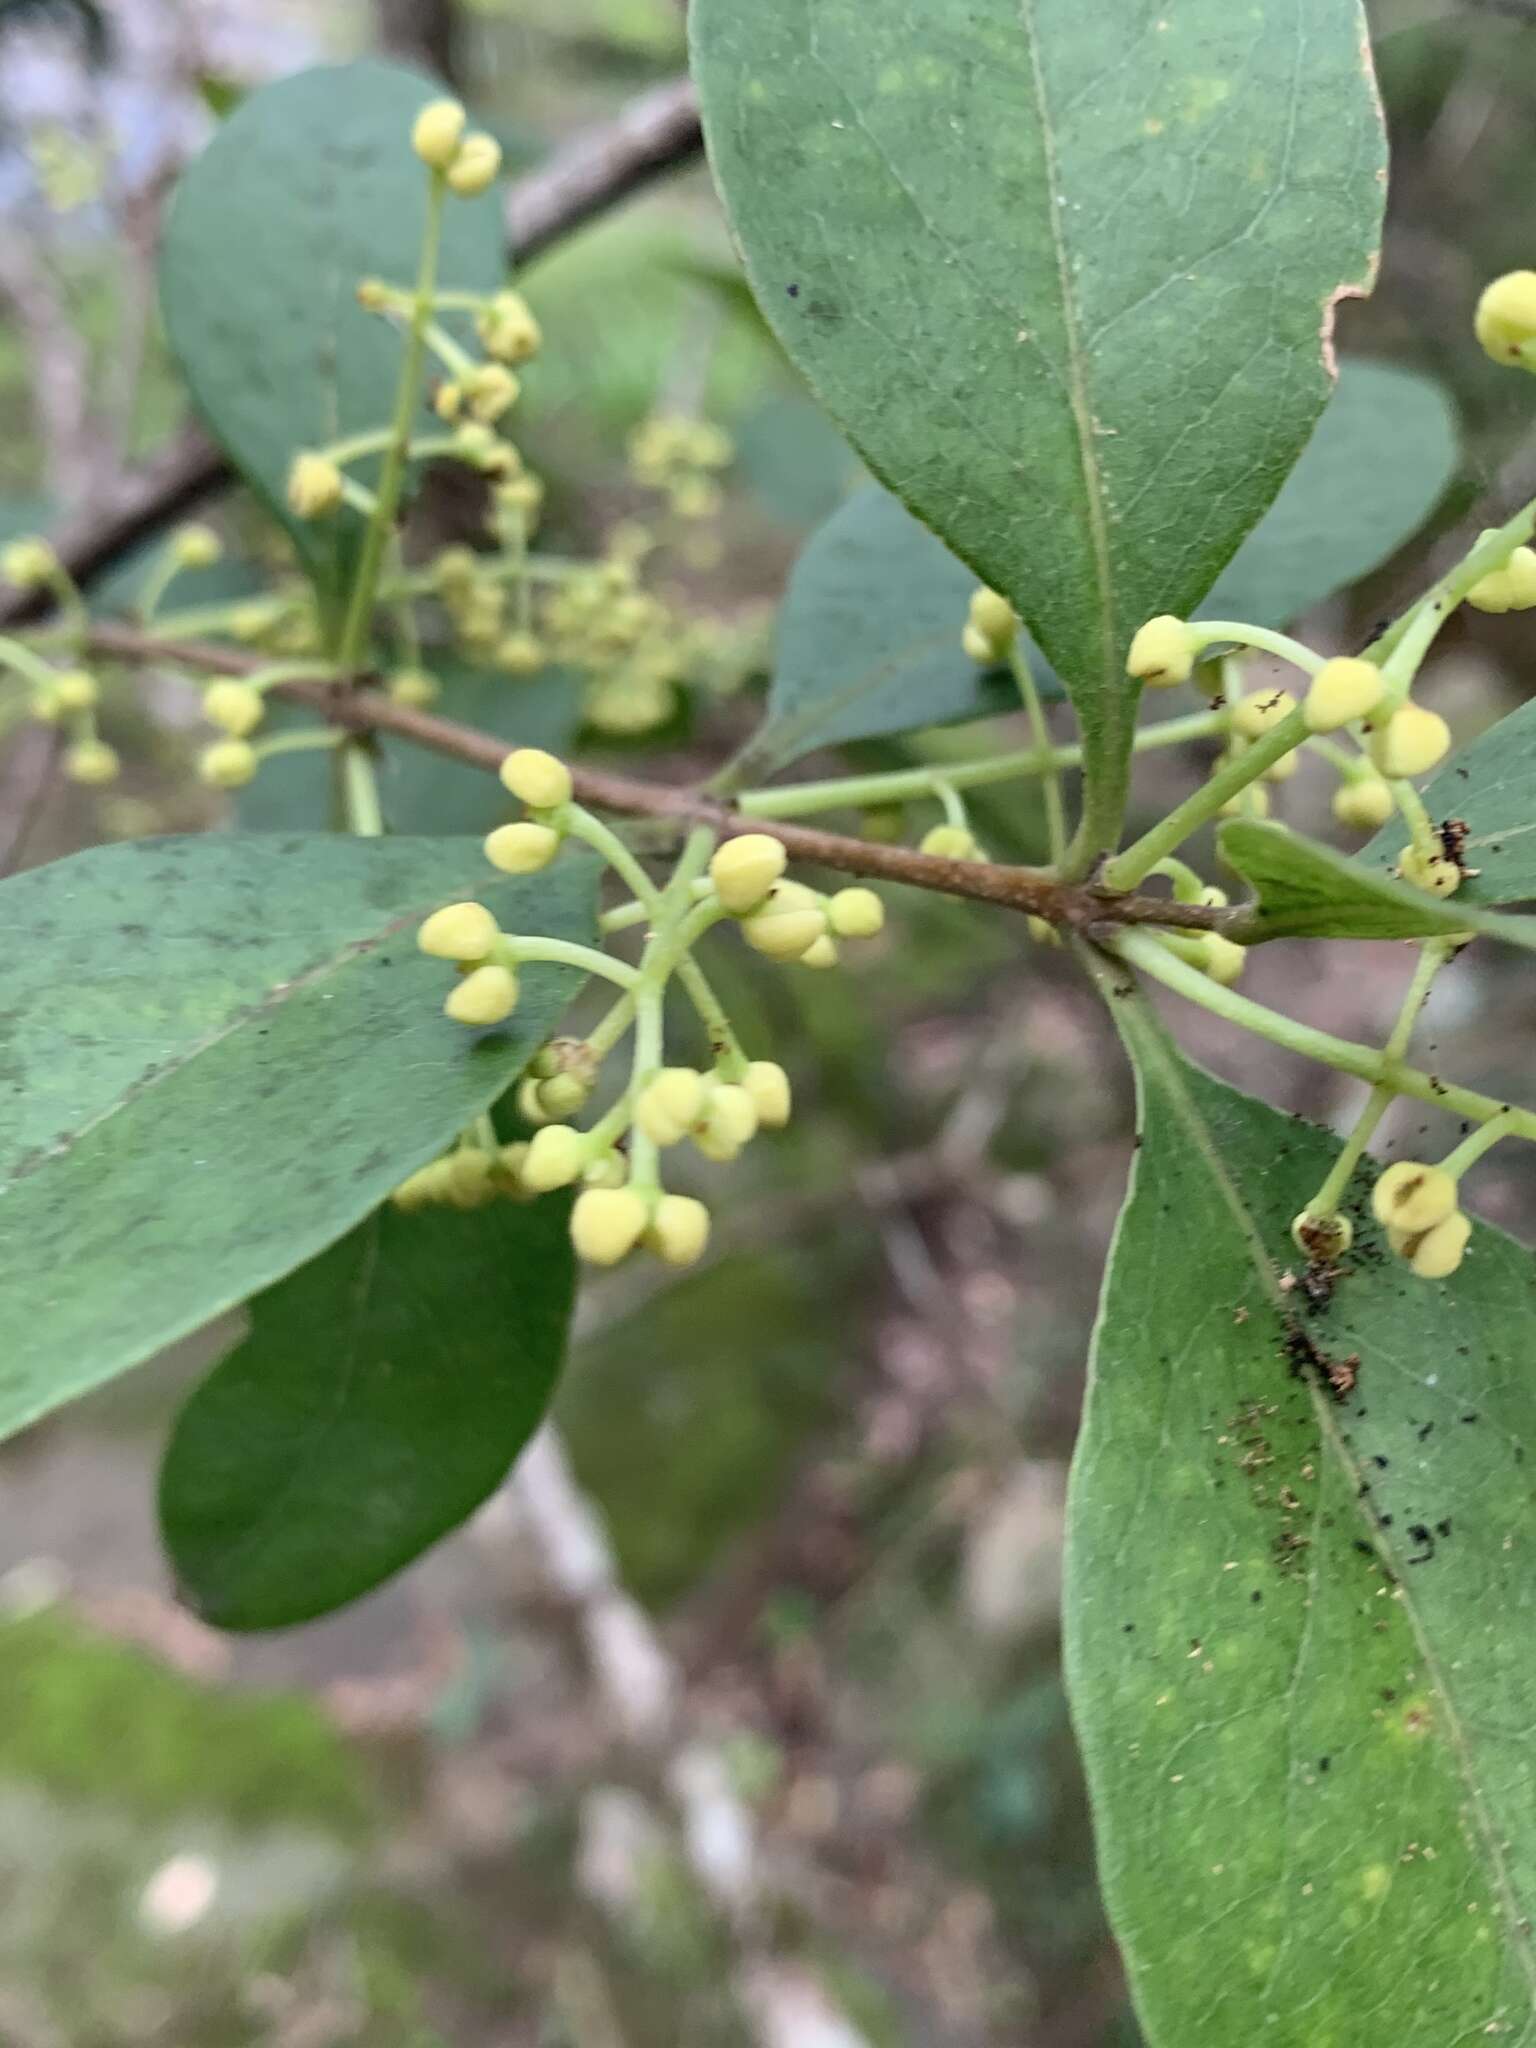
x=595 y=170
x=1079 y=907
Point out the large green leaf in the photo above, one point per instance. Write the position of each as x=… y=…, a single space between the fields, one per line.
x=1301 y=1633
x=1377 y=465
x=1489 y=786
x=219 y=1055
x=1308 y=891
x=382 y=1393
x=869 y=638
x=310 y=186
x=1064 y=274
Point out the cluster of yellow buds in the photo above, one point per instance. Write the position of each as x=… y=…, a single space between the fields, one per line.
x=1416 y=1205
x=467 y=162
x=785 y=920
x=681 y=457
x=990 y=629
x=469 y=1177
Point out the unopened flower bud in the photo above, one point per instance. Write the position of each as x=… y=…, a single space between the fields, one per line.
x=529 y=1107
x=1042 y=932
x=1342 y=691
x=1283 y=769
x=1510 y=589
x=1162 y=653
x=486 y=995
x=536 y=778
x=1411 y=1196
x=994 y=616
x=787 y=925
x=678 y=1230
x=412 y=686
x=520 y=654
x=91 y=761
x=508 y=329
x=768 y=1085
x=521 y=849
x=822 y=953
x=556 y=1156
x=75 y=689
x=1365 y=803
x=607 y=1223
x=314 y=484
x=610 y=1171
x=1411 y=742
x=373 y=294
x=234 y=706
x=489 y=390
x=469 y=1178
x=670 y=1105
x=1261 y=711
x=437 y=133
x=856 y=913
x=227 y=764
x=475 y=165
x=1253 y=802
x=28 y=563
x=563 y=1094
x=1506 y=316
x=730 y=1115
x=976 y=644
x=745 y=868
x=459 y=931
x=448 y=399
x=196 y=546
x=950 y=842
x=1222 y=959
x=1433 y=872
x=1442 y=1247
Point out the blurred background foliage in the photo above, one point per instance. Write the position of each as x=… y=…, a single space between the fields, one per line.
x=830 y=1464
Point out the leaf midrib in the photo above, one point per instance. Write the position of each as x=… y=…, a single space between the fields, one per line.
x=1145 y=1037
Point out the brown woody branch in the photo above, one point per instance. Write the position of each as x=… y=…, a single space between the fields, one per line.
x=595 y=170
x=1078 y=907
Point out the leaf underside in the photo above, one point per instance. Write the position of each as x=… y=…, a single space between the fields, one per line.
x=1299 y=1630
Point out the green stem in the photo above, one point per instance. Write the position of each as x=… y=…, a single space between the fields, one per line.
x=611 y=1027
x=1141 y=950
x=304 y=742
x=1472 y=1147
x=1426 y=840
x=581 y=824
x=1216 y=632
x=1490 y=551
x=19 y=658
x=901 y=785
x=643 y=1154
x=360 y=791
x=723 y=1042
x=1128 y=868
x=521 y=952
x=1039 y=732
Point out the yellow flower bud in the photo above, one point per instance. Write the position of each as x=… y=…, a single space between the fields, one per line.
x=1042 y=932
x=1365 y=803
x=744 y=869
x=730 y=1115
x=1510 y=589
x=1432 y=872
x=28 y=563
x=529 y=1107
x=475 y=166
x=508 y=329
x=606 y=1224
x=227 y=764
x=1283 y=769
x=448 y=399
x=1162 y=653
x=196 y=546
x=490 y=389
x=670 y=1105
x=1506 y=316
x=459 y=931
x=1411 y=1196
x=521 y=849
x=468 y=1180
x=856 y=913
x=91 y=761
x=768 y=1085
x=437 y=133
x=1441 y=1249
x=419 y=1188
x=520 y=654
x=977 y=645
x=563 y=1094
x=1252 y=803
x=950 y=842
x=787 y=925
x=235 y=706
x=75 y=689
x=1342 y=691
x=373 y=294
x=486 y=995
x=610 y=1171
x=821 y=953
x=412 y=686
x=679 y=1230
x=536 y=778
x=994 y=616
x=44 y=703
x=314 y=485
x=1322 y=1237
x=1411 y=742
x=1222 y=960
x=1261 y=711
x=556 y=1156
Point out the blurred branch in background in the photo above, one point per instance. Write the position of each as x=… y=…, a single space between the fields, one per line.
x=659 y=131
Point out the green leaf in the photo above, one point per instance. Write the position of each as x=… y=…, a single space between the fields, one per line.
x=309 y=186
x=1377 y=465
x=219 y=1055
x=382 y=1394
x=1299 y=1637
x=1307 y=891
x=869 y=639
x=1063 y=274
x=1488 y=786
